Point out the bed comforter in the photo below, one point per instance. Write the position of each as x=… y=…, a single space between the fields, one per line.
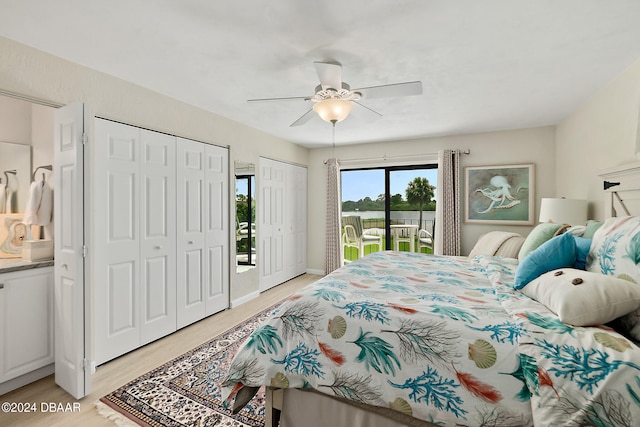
x=445 y=340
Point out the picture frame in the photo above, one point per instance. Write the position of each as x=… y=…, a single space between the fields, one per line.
x=502 y=194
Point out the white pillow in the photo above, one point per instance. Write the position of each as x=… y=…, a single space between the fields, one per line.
x=583 y=298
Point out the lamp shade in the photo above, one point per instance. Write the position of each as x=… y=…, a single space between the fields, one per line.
x=333 y=110
x=563 y=211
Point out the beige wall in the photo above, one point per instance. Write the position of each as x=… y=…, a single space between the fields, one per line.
x=600 y=134
x=32 y=73
x=493 y=148
x=605 y=127
x=15 y=121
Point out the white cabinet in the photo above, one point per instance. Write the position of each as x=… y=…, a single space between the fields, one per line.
x=160 y=246
x=283 y=221
x=26 y=322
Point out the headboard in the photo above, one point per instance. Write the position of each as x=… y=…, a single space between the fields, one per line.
x=622 y=190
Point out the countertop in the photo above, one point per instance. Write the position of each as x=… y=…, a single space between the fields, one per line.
x=16 y=264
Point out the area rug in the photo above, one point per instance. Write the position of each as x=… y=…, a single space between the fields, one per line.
x=186 y=391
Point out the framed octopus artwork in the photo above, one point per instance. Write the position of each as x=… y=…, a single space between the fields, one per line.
x=500 y=194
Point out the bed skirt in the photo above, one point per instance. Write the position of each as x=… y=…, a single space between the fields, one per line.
x=313 y=409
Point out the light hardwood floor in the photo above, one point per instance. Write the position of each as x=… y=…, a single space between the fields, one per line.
x=118 y=372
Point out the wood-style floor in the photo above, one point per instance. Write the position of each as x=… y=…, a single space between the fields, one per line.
x=118 y=372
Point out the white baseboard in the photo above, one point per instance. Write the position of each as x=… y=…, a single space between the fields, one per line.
x=314 y=271
x=246 y=298
x=27 y=378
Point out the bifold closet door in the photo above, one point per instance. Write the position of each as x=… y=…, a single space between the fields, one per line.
x=157 y=235
x=191 y=214
x=295 y=221
x=134 y=244
x=116 y=242
x=299 y=220
x=203 y=230
x=217 y=228
x=271 y=188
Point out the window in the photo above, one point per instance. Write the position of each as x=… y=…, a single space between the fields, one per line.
x=396 y=203
x=246 y=219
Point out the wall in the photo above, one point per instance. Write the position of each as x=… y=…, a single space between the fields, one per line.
x=493 y=148
x=41 y=138
x=15 y=121
x=600 y=134
x=38 y=75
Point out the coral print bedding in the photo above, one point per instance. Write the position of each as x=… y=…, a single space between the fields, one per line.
x=446 y=340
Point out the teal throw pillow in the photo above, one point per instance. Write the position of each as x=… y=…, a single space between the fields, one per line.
x=559 y=252
x=582 y=251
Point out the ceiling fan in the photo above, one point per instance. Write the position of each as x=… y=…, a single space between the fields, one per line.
x=334 y=99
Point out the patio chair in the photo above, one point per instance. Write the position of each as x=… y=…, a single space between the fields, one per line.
x=425 y=240
x=242 y=230
x=356 y=236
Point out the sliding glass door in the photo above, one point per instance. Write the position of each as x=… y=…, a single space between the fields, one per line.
x=397 y=204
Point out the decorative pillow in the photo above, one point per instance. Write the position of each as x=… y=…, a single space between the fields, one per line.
x=582 y=252
x=559 y=252
x=583 y=298
x=615 y=251
x=540 y=234
x=590 y=229
x=577 y=230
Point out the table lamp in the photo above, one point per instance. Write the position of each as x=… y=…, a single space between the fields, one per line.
x=563 y=211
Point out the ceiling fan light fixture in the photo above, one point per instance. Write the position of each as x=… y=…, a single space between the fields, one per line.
x=333 y=110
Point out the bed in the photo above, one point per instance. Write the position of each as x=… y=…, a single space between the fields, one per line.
x=400 y=338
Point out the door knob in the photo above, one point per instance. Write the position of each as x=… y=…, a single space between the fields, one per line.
x=158 y=246
x=190 y=242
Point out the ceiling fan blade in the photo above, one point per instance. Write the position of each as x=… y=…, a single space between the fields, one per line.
x=304 y=118
x=290 y=98
x=330 y=74
x=394 y=89
x=370 y=113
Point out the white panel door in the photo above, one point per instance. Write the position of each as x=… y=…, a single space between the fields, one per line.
x=72 y=313
x=217 y=228
x=116 y=239
x=271 y=253
x=158 y=234
x=290 y=222
x=295 y=221
x=300 y=219
x=191 y=271
x=265 y=230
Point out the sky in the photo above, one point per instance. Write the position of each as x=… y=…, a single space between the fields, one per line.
x=359 y=184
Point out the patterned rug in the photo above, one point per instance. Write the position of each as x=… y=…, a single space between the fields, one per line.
x=186 y=391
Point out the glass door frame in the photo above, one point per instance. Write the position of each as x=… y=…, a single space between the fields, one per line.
x=249 y=220
x=387 y=190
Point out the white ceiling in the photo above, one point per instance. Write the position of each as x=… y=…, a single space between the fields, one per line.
x=484 y=64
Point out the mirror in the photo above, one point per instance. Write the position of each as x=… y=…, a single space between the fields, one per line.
x=15 y=176
x=245 y=216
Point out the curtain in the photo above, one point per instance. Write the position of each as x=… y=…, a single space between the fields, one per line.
x=447 y=234
x=333 y=256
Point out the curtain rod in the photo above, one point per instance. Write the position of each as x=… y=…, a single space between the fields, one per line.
x=387 y=158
